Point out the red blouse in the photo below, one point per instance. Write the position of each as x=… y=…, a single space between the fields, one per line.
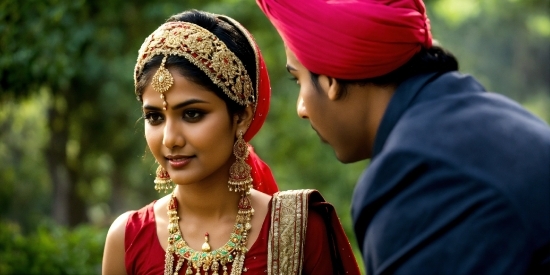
x=145 y=255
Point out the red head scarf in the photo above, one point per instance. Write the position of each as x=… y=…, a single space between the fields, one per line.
x=263 y=180
x=351 y=39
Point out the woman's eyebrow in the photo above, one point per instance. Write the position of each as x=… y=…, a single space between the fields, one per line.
x=177 y=106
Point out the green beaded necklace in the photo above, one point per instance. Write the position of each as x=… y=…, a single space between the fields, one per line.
x=206 y=260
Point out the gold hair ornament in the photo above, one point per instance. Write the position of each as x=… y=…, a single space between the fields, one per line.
x=204 y=50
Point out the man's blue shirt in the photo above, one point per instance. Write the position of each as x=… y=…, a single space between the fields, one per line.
x=459 y=183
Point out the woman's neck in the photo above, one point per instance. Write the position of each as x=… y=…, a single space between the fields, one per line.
x=207 y=201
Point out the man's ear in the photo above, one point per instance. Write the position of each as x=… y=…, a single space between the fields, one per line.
x=244 y=119
x=330 y=86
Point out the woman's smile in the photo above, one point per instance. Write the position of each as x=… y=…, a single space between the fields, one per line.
x=193 y=139
x=178 y=161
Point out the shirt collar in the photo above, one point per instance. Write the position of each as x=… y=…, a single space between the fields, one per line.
x=408 y=92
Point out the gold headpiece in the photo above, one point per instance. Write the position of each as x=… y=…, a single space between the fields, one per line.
x=204 y=50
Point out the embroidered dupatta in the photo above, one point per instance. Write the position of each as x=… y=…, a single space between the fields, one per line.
x=289 y=218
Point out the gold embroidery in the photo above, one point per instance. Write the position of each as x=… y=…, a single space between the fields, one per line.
x=288 y=230
x=204 y=50
x=253 y=44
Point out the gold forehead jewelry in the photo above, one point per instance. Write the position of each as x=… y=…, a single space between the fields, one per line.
x=204 y=50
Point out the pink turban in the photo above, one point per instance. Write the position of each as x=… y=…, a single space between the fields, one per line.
x=351 y=39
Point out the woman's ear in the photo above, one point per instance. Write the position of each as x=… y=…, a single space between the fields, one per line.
x=244 y=119
x=330 y=86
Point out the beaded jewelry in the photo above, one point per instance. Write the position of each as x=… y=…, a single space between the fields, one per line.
x=206 y=260
x=240 y=178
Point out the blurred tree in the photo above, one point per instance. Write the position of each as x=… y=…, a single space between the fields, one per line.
x=79 y=53
x=71 y=142
x=504 y=43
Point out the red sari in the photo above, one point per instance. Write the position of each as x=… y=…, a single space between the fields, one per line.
x=325 y=246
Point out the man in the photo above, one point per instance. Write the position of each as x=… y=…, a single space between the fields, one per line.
x=459 y=178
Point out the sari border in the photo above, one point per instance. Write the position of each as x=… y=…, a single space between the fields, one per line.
x=287 y=232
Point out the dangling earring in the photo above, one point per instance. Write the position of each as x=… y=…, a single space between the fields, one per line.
x=163 y=180
x=239 y=172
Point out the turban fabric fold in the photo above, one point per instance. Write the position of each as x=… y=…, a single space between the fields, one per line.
x=351 y=39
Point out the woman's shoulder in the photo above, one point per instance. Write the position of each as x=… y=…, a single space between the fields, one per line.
x=113 y=258
x=138 y=217
x=118 y=227
x=260 y=201
x=121 y=234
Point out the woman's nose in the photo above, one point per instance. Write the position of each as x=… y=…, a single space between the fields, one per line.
x=173 y=135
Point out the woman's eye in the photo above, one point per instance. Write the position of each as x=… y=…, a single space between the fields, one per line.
x=193 y=115
x=295 y=79
x=153 y=118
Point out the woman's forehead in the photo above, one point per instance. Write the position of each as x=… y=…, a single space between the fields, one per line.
x=183 y=89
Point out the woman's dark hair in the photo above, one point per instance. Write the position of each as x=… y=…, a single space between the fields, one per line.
x=236 y=41
x=435 y=59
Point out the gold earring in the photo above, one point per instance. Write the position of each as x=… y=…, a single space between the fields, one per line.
x=163 y=180
x=239 y=172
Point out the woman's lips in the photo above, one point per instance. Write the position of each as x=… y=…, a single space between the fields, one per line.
x=178 y=161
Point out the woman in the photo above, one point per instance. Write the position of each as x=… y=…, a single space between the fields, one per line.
x=205 y=93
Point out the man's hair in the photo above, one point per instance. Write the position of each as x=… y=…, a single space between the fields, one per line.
x=434 y=59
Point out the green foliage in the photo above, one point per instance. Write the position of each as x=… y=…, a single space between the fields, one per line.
x=29 y=23
x=540 y=105
x=24 y=180
x=503 y=43
x=51 y=249
x=71 y=142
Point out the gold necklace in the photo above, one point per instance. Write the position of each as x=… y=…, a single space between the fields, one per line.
x=231 y=252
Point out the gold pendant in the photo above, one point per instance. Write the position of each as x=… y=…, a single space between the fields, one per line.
x=206 y=245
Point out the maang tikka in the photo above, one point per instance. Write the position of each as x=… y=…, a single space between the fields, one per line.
x=210 y=54
x=202 y=48
x=239 y=173
x=162 y=81
x=163 y=182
